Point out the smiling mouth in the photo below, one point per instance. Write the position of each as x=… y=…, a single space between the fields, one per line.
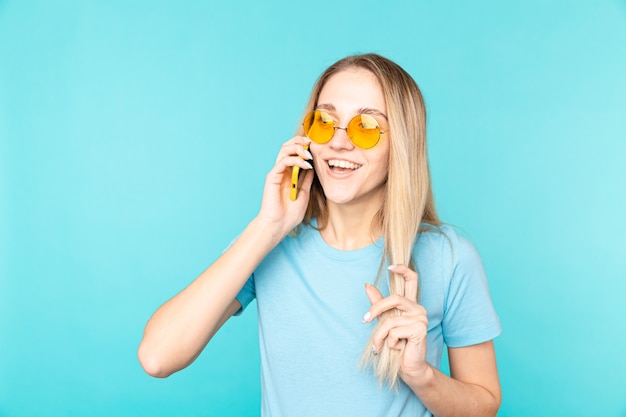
x=341 y=164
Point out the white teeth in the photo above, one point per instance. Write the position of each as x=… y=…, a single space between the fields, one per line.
x=342 y=164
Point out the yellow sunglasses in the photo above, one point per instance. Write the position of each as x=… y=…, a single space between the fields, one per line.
x=363 y=130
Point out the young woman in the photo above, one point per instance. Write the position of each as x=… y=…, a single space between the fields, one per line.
x=364 y=214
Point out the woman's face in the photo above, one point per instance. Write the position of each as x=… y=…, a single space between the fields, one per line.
x=349 y=174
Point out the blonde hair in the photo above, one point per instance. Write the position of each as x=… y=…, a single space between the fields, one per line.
x=408 y=201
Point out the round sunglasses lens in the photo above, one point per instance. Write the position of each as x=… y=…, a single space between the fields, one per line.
x=319 y=126
x=364 y=131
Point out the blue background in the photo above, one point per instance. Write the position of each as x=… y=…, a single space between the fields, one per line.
x=134 y=141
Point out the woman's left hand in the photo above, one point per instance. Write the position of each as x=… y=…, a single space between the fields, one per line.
x=407 y=330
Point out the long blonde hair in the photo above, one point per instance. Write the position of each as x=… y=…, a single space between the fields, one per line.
x=408 y=201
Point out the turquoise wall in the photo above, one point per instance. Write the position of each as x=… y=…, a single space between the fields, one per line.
x=134 y=141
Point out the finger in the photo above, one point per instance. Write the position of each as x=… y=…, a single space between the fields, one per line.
x=410 y=280
x=399 y=330
x=413 y=333
x=373 y=294
x=302 y=140
x=281 y=173
x=294 y=150
x=288 y=162
x=297 y=140
x=386 y=326
x=393 y=301
x=295 y=146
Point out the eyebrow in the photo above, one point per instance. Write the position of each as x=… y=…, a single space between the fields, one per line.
x=362 y=110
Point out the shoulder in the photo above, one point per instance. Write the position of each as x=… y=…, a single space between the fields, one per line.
x=445 y=249
x=448 y=241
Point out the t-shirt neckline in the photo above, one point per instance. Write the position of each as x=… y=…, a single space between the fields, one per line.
x=374 y=249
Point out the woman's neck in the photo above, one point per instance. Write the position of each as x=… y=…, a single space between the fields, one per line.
x=351 y=227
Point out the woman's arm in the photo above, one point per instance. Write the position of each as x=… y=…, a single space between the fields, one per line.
x=179 y=330
x=473 y=388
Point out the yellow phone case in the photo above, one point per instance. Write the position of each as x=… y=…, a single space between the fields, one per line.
x=295 y=173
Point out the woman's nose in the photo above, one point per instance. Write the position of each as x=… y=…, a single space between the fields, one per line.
x=340 y=139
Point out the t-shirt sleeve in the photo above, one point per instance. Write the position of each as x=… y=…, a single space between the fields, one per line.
x=469 y=315
x=246 y=295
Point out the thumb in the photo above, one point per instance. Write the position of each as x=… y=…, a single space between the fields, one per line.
x=373 y=294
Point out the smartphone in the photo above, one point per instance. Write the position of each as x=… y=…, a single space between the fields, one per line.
x=295 y=176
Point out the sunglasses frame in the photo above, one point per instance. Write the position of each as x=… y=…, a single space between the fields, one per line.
x=335 y=127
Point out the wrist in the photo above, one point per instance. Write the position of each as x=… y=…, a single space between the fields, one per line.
x=420 y=379
x=275 y=231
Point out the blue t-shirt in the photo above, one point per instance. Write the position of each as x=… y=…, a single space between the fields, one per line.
x=311 y=299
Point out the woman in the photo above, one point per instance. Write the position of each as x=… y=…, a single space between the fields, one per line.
x=364 y=214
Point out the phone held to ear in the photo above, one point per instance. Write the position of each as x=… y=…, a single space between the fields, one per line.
x=295 y=176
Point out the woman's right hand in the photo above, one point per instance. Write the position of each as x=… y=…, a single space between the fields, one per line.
x=277 y=208
x=181 y=328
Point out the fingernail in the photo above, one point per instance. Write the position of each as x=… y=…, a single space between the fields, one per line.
x=366 y=317
x=309 y=166
x=306 y=139
x=374 y=350
x=308 y=155
x=392 y=267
